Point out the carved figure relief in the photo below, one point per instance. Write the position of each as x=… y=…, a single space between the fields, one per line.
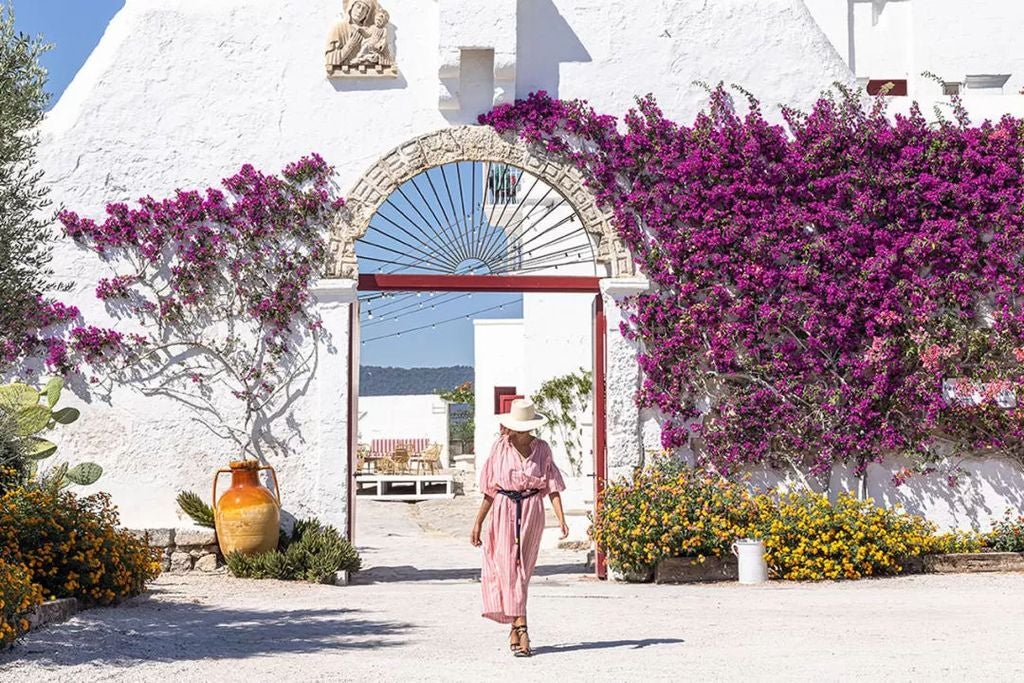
x=361 y=43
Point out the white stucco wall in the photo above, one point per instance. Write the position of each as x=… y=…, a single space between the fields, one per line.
x=180 y=93
x=404 y=417
x=498 y=361
x=902 y=38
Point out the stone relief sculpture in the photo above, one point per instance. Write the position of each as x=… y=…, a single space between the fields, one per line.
x=360 y=44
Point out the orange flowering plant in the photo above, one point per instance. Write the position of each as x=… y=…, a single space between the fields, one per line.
x=18 y=595
x=670 y=510
x=72 y=545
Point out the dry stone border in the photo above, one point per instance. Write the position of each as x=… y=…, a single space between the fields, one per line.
x=690 y=570
x=184 y=550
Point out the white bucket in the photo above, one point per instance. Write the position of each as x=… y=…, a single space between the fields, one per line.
x=752 y=566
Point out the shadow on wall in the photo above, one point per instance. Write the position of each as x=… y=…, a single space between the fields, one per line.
x=184 y=631
x=990 y=486
x=545 y=41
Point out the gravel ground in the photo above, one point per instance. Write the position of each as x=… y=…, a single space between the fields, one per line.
x=412 y=616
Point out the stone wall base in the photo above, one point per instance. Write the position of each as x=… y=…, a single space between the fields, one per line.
x=965 y=563
x=184 y=550
x=52 y=612
x=689 y=570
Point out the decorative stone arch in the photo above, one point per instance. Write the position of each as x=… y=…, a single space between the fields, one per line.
x=468 y=143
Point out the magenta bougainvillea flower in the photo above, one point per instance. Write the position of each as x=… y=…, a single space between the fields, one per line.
x=216 y=285
x=816 y=284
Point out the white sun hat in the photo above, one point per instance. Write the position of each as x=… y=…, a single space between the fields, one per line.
x=522 y=416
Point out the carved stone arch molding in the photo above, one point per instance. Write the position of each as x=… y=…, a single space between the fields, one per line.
x=468 y=143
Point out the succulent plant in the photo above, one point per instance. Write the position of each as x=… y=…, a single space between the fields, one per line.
x=33 y=412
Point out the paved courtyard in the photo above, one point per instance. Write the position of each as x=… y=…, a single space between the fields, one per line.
x=412 y=616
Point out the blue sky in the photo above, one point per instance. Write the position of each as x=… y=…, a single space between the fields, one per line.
x=76 y=26
x=73 y=26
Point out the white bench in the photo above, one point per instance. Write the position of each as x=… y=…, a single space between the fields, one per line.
x=405 y=486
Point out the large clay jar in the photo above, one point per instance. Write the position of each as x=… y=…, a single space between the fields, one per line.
x=248 y=515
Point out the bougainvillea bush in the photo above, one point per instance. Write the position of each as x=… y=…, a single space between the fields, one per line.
x=216 y=285
x=837 y=288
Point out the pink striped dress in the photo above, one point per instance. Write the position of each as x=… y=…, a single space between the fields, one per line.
x=507 y=568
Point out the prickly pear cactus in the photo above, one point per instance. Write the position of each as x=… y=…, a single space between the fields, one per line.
x=32 y=412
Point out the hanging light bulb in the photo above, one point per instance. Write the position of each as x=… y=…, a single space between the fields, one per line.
x=369 y=314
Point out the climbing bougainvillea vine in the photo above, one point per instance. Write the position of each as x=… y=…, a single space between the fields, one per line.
x=217 y=287
x=843 y=287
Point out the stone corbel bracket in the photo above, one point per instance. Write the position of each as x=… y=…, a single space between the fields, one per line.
x=477 y=25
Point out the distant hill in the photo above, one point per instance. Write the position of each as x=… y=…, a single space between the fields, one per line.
x=378 y=381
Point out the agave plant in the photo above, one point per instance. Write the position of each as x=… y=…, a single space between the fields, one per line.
x=33 y=412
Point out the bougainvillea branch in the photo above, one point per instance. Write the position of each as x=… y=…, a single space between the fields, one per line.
x=837 y=289
x=217 y=286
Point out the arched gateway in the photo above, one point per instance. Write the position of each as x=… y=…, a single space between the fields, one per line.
x=423 y=209
x=469 y=143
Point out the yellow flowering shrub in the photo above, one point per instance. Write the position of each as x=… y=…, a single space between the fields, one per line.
x=809 y=539
x=72 y=545
x=956 y=542
x=669 y=510
x=18 y=595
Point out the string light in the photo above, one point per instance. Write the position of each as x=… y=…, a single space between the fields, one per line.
x=440 y=322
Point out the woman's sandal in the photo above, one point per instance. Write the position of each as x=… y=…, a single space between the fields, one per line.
x=514 y=646
x=521 y=651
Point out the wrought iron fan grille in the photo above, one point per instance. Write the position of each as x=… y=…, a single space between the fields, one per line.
x=476 y=218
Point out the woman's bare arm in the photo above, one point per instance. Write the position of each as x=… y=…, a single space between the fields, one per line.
x=481 y=515
x=556 y=503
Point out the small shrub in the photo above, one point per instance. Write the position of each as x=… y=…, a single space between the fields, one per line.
x=72 y=545
x=670 y=510
x=18 y=595
x=1008 y=535
x=953 y=542
x=194 y=506
x=809 y=539
x=313 y=553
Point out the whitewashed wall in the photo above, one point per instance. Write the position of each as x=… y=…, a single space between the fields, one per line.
x=903 y=38
x=404 y=417
x=498 y=361
x=180 y=93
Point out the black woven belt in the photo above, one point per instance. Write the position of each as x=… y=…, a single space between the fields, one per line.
x=518 y=497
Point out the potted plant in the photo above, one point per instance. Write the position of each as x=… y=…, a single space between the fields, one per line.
x=218 y=285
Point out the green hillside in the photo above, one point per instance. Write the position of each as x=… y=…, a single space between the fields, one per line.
x=379 y=381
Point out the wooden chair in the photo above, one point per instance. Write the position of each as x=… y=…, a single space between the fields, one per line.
x=398 y=463
x=429 y=459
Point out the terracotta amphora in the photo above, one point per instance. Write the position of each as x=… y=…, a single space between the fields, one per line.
x=248 y=515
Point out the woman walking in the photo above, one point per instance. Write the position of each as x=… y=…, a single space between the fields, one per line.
x=517 y=475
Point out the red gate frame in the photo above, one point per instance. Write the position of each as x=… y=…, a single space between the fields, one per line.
x=491 y=283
